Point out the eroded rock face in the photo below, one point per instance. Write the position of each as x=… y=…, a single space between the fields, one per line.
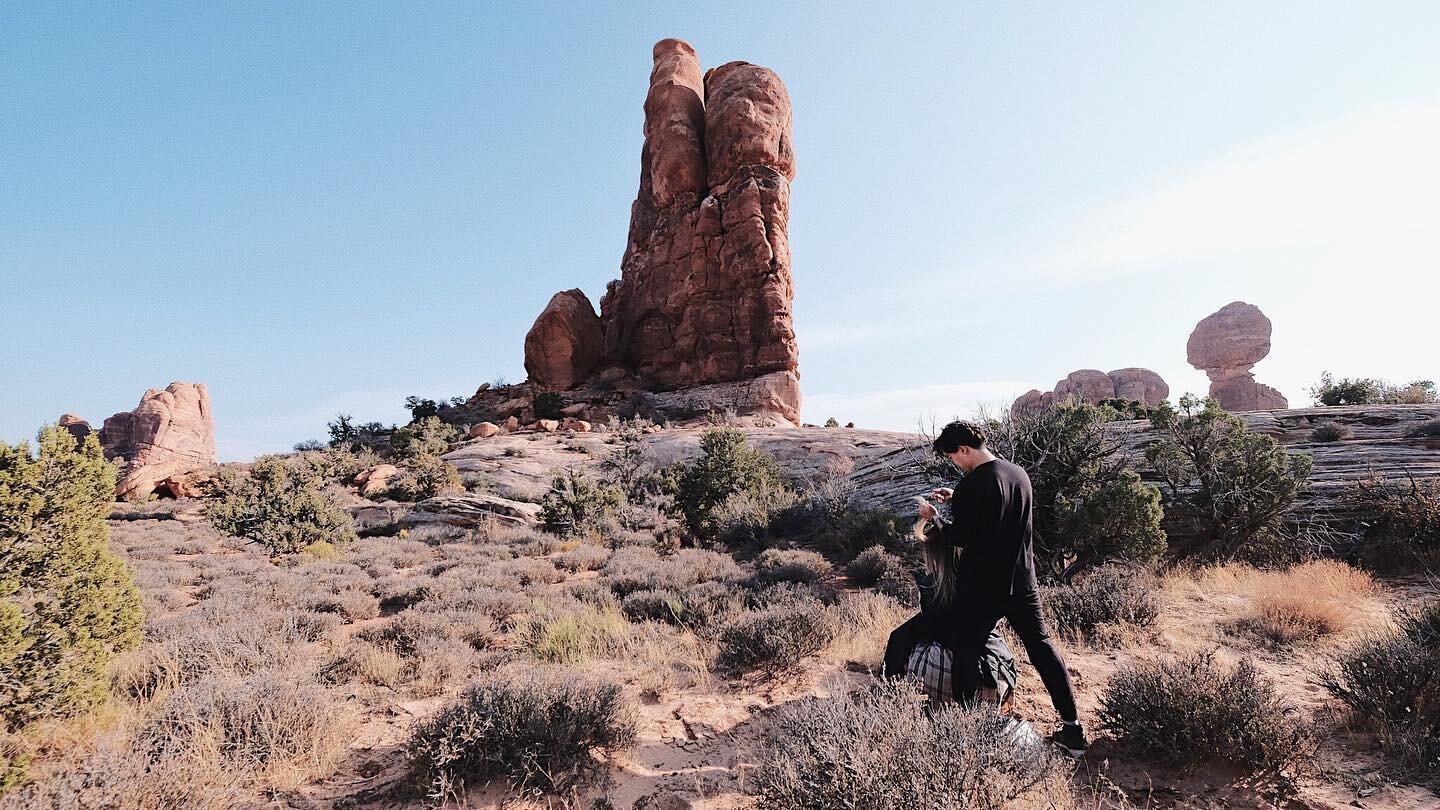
x=705 y=290
x=1226 y=345
x=565 y=343
x=1086 y=385
x=170 y=433
x=1140 y=385
x=78 y=427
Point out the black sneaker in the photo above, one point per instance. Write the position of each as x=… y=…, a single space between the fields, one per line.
x=1072 y=739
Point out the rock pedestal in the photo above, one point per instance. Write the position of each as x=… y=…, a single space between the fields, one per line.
x=1226 y=345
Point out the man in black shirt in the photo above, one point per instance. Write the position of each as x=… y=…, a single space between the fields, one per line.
x=991 y=525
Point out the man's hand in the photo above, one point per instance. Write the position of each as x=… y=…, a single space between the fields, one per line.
x=927 y=512
x=942 y=494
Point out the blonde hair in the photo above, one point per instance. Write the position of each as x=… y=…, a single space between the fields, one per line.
x=939 y=557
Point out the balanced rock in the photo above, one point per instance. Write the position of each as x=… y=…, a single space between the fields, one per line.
x=705 y=290
x=565 y=343
x=170 y=432
x=1226 y=345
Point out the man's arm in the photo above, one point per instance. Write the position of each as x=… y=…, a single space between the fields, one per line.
x=960 y=530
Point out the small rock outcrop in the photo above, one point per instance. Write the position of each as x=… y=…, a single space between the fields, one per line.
x=170 y=433
x=1226 y=345
x=565 y=343
x=78 y=427
x=1092 y=385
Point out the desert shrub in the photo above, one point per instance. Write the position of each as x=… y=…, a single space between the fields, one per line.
x=775 y=638
x=583 y=557
x=871 y=564
x=337 y=464
x=425 y=476
x=824 y=518
x=1391 y=684
x=727 y=465
x=14 y=760
x=1371 y=391
x=653 y=606
x=268 y=720
x=535 y=728
x=1111 y=594
x=1180 y=710
x=635 y=568
x=1088 y=508
x=345 y=433
x=280 y=506
x=878 y=747
x=1427 y=429
x=832 y=422
x=67 y=603
x=1331 y=432
x=1284 y=619
x=1401 y=523
x=578 y=505
x=549 y=405
x=424 y=437
x=1230 y=487
x=790 y=565
x=748 y=518
x=410 y=629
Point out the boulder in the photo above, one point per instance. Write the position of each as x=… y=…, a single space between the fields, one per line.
x=1226 y=345
x=1086 y=385
x=565 y=343
x=512 y=424
x=705 y=291
x=484 y=430
x=576 y=410
x=376 y=480
x=547 y=425
x=171 y=432
x=1140 y=385
x=577 y=425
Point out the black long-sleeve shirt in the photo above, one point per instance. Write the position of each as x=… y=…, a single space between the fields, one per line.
x=991 y=524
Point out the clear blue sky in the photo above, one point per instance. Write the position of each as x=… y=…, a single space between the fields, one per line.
x=322 y=207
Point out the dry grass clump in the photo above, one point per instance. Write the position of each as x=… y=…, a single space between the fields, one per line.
x=1313 y=600
x=113 y=773
x=863 y=622
x=1180 y=710
x=570 y=631
x=1331 y=432
x=535 y=728
x=279 y=726
x=878 y=747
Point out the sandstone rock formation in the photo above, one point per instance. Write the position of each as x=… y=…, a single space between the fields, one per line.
x=705 y=289
x=376 y=480
x=1226 y=345
x=1091 y=385
x=565 y=343
x=171 y=432
x=78 y=427
x=484 y=430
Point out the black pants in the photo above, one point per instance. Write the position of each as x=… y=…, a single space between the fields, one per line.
x=919 y=629
x=974 y=620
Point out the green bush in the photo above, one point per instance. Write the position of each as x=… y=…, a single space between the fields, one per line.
x=424 y=437
x=1089 y=508
x=1229 y=487
x=776 y=637
x=347 y=435
x=549 y=405
x=425 y=476
x=578 y=505
x=1108 y=595
x=728 y=465
x=832 y=422
x=67 y=603
x=1180 y=710
x=1371 y=391
x=1391 y=683
x=879 y=747
x=279 y=505
x=537 y=731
